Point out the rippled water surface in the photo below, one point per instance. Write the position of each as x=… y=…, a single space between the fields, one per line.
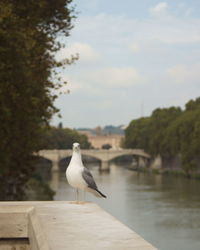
x=164 y=210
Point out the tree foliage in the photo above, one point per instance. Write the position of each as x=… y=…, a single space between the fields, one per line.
x=63 y=138
x=137 y=134
x=28 y=31
x=169 y=132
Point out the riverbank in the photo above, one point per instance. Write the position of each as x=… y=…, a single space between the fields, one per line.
x=169 y=171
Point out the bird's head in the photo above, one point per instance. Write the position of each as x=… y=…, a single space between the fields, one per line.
x=76 y=147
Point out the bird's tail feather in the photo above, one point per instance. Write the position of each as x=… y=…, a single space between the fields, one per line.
x=96 y=192
x=102 y=195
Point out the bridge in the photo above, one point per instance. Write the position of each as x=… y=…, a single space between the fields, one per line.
x=104 y=155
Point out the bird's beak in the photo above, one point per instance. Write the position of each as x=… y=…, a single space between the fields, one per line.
x=76 y=147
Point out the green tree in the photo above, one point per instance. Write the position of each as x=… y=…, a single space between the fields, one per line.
x=193 y=105
x=137 y=134
x=28 y=31
x=58 y=138
x=169 y=132
x=183 y=137
x=160 y=120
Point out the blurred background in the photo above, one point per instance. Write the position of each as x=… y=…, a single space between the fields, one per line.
x=113 y=76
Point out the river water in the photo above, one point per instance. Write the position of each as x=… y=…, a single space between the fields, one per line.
x=164 y=210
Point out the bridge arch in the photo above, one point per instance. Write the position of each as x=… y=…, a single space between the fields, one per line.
x=42 y=158
x=91 y=156
x=83 y=155
x=64 y=161
x=102 y=155
x=118 y=156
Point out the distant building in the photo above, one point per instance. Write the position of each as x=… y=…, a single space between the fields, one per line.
x=85 y=132
x=98 y=130
x=98 y=140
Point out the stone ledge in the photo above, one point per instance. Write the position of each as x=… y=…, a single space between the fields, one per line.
x=66 y=225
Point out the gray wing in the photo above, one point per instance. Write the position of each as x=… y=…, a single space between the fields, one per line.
x=87 y=176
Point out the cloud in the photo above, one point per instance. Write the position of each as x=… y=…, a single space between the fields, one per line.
x=96 y=82
x=121 y=77
x=135 y=47
x=116 y=77
x=185 y=74
x=85 y=51
x=104 y=30
x=153 y=58
x=188 y=12
x=160 y=8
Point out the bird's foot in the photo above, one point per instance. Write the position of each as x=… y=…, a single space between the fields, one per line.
x=78 y=202
x=82 y=202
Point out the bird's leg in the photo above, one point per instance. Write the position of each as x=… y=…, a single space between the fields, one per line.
x=84 y=196
x=77 y=196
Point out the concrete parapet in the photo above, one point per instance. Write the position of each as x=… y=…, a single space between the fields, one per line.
x=66 y=225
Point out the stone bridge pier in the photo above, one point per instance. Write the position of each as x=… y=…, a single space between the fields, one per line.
x=105 y=156
x=104 y=166
x=55 y=165
x=142 y=162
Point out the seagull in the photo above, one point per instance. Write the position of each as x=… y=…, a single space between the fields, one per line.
x=78 y=176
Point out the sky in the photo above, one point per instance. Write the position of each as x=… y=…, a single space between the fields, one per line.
x=134 y=56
